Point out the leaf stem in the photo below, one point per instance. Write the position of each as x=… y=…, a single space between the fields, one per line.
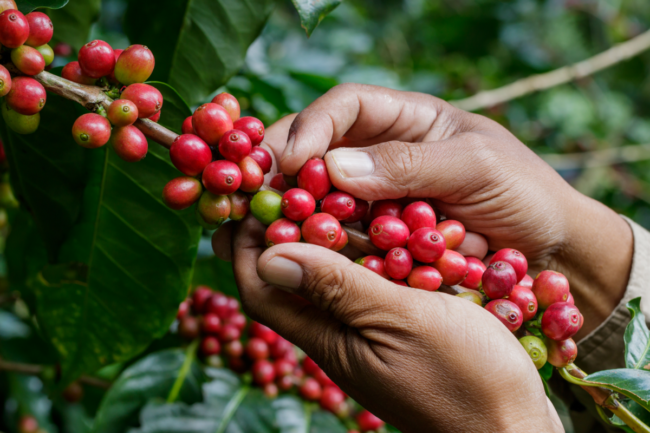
x=190 y=354
x=231 y=408
x=626 y=416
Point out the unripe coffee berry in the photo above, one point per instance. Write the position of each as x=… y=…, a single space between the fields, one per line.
x=40 y=29
x=550 y=287
x=239 y=206
x=252 y=177
x=213 y=209
x=47 y=52
x=386 y=207
x=210 y=346
x=282 y=231
x=361 y=208
x=387 y=232
x=263 y=372
x=525 y=300
x=72 y=71
x=222 y=177
x=507 y=312
x=91 y=130
x=398 y=263
x=73 y=393
x=266 y=207
x=97 y=60
x=253 y=127
x=425 y=278
x=516 y=260
x=342 y=242
x=129 y=143
x=339 y=204
x=313 y=178
x=453 y=231
x=499 y=280
x=190 y=155
x=419 y=215
x=374 y=263
x=14 y=28
x=452 y=266
x=134 y=65
x=20 y=123
x=368 y=422
x=310 y=389
x=235 y=145
x=182 y=192
x=211 y=324
x=229 y=103
x=187 y=127
x=122 y=112
x=321 y=229
x=28 y=60
x=561 y=321
x=147 y=98
x=475 y=270
x=472 y=296
x=262 y=158
x=561 y=353
x=536 y=349
x=427 y=245
x=5 y=81
x=298 y=204
x=27 y=96
x=211 y=122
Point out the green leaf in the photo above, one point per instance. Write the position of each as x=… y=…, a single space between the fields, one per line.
x=151 y=377
x=317 y=82
x=637 y=338
x=311 y=12
x=26 y=6
x=198 y=44
x=217 y=274
x=546 y=371
x=72 y=23
x=634 y=384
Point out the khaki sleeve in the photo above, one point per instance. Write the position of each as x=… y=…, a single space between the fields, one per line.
x=604 y=348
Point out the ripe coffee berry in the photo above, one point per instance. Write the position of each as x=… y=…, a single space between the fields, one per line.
x=27 y=424
x=281 y=231
x=238 y=320
x=184 y=309
x=235 y=145
x=453 y=231
x=19 y=123
x=262 y=158
x=155 y=117
x=27 y=96
x=309 y=366
x=252 y=175
x=297 y=204
x=239 y=206
x=233 y=349
x=72 y=72
x=5 y=81
x=28 y=60
x=278 y=183
x=251 y=126
x=217 y=304
x=210 y=346
x=310 y=389
x=211 y=324
x=475 y=270
x=525 y=300
x=266 y=207
x=386 y=207
x=134 y=65
x=40 y=29
x=97 y=59
x=147 y=98
x=561 y=353
x=499 y=280
x=187 y=127
x=111 y=77
x=199 y=297
x=222 y=177
x=213 y=209
x=527 y=281
x=313 y=178
x=427 y=245
x=425 y=278
x=129 y=143
x=419 y=215
x=229 y=103
x=211 y=122
x=339 y=204
x=333 y=400
x=280 y=348
x=452 y=266
x=399 y=283
x=361 y=208
x=190 y=155
x=256 y=348
x=342 y=242
x=263 y=372
x=91 y=130
x=374 y=263
x=188 y=327
x=283 y=368
x=321 y=229
x=398 y=263
x=536 y=349
x=507 y=312
x=270 y=390
x=122 y=112
x=516 y=260
x=570 y=299
x=229 y=333
x=550 y=287
x=368 y=422
x=387 y=232
x=561 y=321
x=14 y=28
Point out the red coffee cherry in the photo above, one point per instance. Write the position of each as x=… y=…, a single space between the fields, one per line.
x=525 y=300
x=278 y=182
x=235 y=145
x=134 y=65
x=427 y=245
x=184 y=309
x=361 y=208
x=187 y=127
x=73 y=393
x=147 y=98
x=28 y=60
x=155 y=117
x=270 y=390
x=264 y=332
x=374 y=263
x=189 y=327
x=210 y=346
x=475 y=270
x=280 y=348
x=310 y=389
x=27 y=424
x=418 y=215
x=211 y=122
x=217 y=303
x=233 y=349
x=229 y=103
x=386 y=207
x=561 y=353
x=561 y=321
x=425 y=278
x=368 y=422
x=453 y=231
x=321 y=229
x=97 y=59
x=122 y=112
x=516 y=260
x=282 y=231
x=452 y=266
x=309 y=366
x=399 y=283
x=499 y=280
x=507 y=312
x=213 y=209
x=129 y=143
x=27 y=96
x=40 y=29
x=398 y=263
x=262 y=158
x=252 y=177
x=550 y=287
x=256 y=348
x=313 y=178
x=253 y=127
x=333 y=400
x=387 y=232
x=527 y=281
x=190 y=155
x=229 y=333
x=342 y=242
x=263 y=372
x=283 y=368
x=5 y=81
x=111 y=77
x=91 y=130
x=199 y=297
x=211 y=324
x=72 y=72
x=297 y=204
x=239 y=206
x=570 y=299
x=339 y=204
x=14 y=28
x=222 y=177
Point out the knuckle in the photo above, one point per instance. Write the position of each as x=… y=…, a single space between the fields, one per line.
x=402 y=163
x=326 y=287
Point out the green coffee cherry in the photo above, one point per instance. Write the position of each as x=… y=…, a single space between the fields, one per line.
x=213 y=209
x=47 y=52
x=536 y=349
x=472 y=297
x=266 y=206
x=20 y=123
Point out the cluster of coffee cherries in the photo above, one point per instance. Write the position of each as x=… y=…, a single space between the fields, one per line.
x=25 y=39
x=272 y=363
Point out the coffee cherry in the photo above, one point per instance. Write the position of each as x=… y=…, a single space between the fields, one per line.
x=199 y=298
x=527 y=281
x=452 y=266
x=321 y=229
x=14 y=28
x=211 y=324
x=233 y=349
x=282 y=231
x=239 y=206
x=253 y=127
x=236 y=319
x=91 y=130
x=188 y=327
x=399 y=283
x=475 y=270
x=262 y=158
x=361 y=208
x=536 y=349
x=516 y=260
x=283 y=368
x=147 y=98
x=27 y=424
x=229 y=333
x=342 y=242
x=134 y=65
x=368 y=422
x=263 y=372
x=313 y=178
x=270 y=390
x=507 y=312
x=213 y=209
x=333 y=400
x=252 y=175
x=229 y=103
x=256 y=348
x=561 y=353
x=19 y=123
x=398 y=263
x=561 y=321
x=235 y=145
x=550 y=287
x=471 y=296
x=386 y=207
x=122 y=112
x=187 y=127
x=211 y=122
x=266 y=207
x=297 y=204
x=7 y=4
x=525 y=300
x=339 y=204
x=183 y=309
x=97 y=60
x=570 y=299
x=419 y=215
x=40 y=29
x=427 y=245
x=309 y=366
x=111 y=76
x=453 y=231
x=129 y=143
x=155 y=117
x=217 y=304
x=5 y=81
x=388 y=232
x=280 y=348
x=28 y=60
x=190 y=155
x=221 y=177
x=73 y=393
x=47 y=52
x=310 y=389
x=374 y=263
x=425 y=278
x=278 y=183
x=210 y=346
x=27 y=96
x=499 y=280
x=72 y=72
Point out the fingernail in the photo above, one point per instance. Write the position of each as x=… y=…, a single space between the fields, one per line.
x=282 y=272
x=289 y=149
x=353 y=163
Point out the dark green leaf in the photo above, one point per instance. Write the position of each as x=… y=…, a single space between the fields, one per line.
x=546 y=371
x=325 y=422
x=313 y=11
x=26 y=6
x=317 y=82
x=563 y=413
x=637 y=338
x=634 y=384
x=198 y=44
x=215 y=273
x=72 y=23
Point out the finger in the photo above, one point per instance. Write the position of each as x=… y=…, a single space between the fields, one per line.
x=474 y=245
x=222 y=241
x=275 y=138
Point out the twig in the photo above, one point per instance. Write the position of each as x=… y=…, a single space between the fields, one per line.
x=36 y=370
x=534 y=83
x=598 y=158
